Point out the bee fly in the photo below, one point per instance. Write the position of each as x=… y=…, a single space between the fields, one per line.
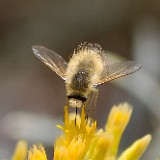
x=86 y=69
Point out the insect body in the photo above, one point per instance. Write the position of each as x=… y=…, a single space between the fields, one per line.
x=85 y=70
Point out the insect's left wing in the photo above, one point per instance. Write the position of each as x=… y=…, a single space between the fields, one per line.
x=51 y=59
x=117 y=70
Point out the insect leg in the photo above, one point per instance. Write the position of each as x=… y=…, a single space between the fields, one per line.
x=91 y=104
x=76 y=115
x=95 y=95
x=88 y=106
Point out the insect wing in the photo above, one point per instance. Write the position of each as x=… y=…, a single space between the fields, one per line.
x=51 y=59
x=117 y=70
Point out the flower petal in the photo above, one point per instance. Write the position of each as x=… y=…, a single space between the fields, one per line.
x=136 y=150
x=117 y=122
x=37 y=153
x=20 y=152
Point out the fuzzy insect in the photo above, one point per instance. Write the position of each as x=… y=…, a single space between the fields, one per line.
x=86 y=69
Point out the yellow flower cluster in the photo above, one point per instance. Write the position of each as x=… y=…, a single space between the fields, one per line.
x=83 y=141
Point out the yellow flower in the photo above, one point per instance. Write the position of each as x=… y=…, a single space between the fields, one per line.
x=83 y=141
x=138 y=147
x=37 y=153
x=20 y=152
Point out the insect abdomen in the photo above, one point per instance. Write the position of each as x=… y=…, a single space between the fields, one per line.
x=80 y=81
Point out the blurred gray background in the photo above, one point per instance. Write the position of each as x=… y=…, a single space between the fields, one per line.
x=32 y=96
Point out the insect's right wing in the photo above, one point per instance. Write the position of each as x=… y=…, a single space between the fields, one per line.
x=117 y=70
x=51 y=59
